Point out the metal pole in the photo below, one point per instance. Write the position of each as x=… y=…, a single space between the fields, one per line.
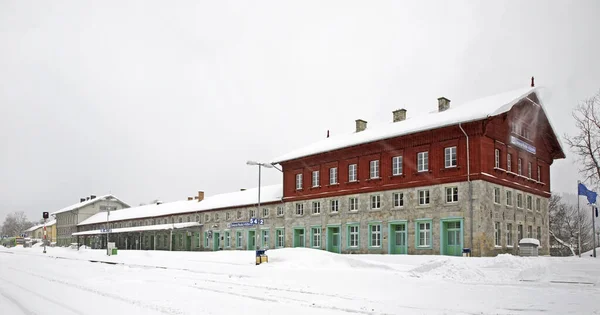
x=594 y=230
x=258 y=212
x=107 y=229
x=46 y=237
x=578 y=220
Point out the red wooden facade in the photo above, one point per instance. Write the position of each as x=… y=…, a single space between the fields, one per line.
x=484 y=137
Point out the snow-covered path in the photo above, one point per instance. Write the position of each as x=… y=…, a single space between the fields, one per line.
x=296 y=281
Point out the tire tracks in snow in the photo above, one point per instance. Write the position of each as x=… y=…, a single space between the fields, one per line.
x=42 y=297
x=162 y=309
x=15 y=302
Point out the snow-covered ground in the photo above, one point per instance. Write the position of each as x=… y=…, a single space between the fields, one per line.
x=295 y=281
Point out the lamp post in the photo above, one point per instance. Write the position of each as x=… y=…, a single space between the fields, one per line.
x=108 y=198
x=267 y=165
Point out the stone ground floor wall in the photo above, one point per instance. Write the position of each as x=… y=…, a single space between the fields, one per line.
x=425 y=220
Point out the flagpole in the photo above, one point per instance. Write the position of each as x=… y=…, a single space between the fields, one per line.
x=578 y=220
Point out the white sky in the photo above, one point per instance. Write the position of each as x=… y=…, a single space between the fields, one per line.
x=151 y=100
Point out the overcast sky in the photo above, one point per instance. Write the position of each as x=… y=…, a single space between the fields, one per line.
x=157 y=100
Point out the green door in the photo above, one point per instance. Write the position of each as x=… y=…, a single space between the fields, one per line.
x=452 y=238
x=299 y=238
x=398 y=238
x=216 y=240
x=251 y=240
x=333 y=239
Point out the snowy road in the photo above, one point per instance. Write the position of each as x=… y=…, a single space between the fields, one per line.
x=296 y=281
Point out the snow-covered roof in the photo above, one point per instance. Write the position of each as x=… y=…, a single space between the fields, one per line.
x=157 y=227
x=460 y=113
x=529 y=241
x=35 y=227
x=85 y=203
x=226 y=200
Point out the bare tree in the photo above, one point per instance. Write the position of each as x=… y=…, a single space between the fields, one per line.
x=586 y=143
x=15 y=223
x=564 y=223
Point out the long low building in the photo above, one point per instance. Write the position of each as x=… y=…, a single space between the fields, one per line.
x=474 y=176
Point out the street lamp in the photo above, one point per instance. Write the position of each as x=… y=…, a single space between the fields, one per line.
x=108 y=198
x=266 y=165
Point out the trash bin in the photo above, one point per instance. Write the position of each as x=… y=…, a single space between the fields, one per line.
x=466 y=252
x=261 y=257
x=114 y=251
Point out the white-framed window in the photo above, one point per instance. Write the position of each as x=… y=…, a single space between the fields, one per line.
x=280 y=210
x=265 y=212
x=497 y=235
x=375 y=235
x=451 y=194
x=539 y=173
x=519 y=232
x=239 y=214
x=397 y=165
x=423 y=161
x=280 y=238
x=509 y=162
x=509 y=234
x=423 y=197
x=353 y=204
x=316 y=237
x=519 y=200
x=398 y=200
x=315 y=178
x=298 y=181
x=497 y=195
x=299 y=209
x=376 y=202
x=374 y=169
x=519 y=167
x=450 y=157
x=335 y=206
x=206 y=217
x=252 y=213
x=529 y=231
x=529 y=170
x=316 y=207
x=353 y=233
x=238 y=239
x=227 y=216
x=497 y=158
x=529 y=202
x=509 y=198
x=265 y=238
x=352 y=172
x=538 y=204
x=424 y=232
x=333 y=176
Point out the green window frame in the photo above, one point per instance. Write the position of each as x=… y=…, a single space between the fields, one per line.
x=353 y=236
x=227 y=240
x=375 y=229
x=238 y=239
x=279 y=238
x=316 y=236
x=427 y=236
x=264 y=238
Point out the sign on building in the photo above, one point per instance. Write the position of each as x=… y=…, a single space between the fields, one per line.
x=522 y=144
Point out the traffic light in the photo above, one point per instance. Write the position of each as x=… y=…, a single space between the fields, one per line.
x=45 y=215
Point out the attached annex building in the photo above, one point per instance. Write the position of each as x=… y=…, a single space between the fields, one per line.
x=472 y=176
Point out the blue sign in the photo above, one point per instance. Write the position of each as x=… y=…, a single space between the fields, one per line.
x=522 y=144
x=253 y=221
x=105 y=230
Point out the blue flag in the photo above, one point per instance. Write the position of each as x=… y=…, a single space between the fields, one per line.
x=583 y=191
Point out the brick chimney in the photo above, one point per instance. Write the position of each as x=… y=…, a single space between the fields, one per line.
x=360 y=125
x=200 y=196
x=190 y=198
x=532 y=82
x=399 y=114
x=443 y=104
x=242 y=189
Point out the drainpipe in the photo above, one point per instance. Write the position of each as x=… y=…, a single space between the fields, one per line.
x=470 y=186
